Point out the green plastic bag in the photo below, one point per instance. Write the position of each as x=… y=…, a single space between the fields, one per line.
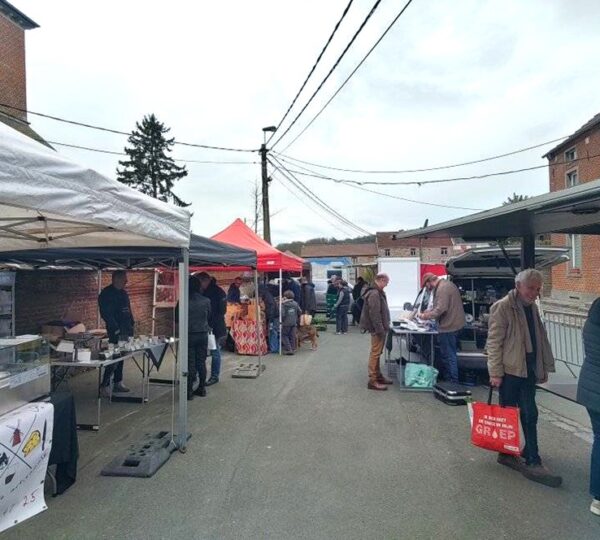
x=419 y=375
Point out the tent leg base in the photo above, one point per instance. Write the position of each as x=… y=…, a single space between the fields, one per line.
x=248 y=371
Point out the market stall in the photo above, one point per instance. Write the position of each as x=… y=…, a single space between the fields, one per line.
x=49 y=203
x=269 y=259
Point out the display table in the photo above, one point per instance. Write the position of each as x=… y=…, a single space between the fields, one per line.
x=404 y=334
x=145 y=360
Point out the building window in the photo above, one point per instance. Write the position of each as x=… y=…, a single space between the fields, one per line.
x=572 y=179
x=571 y=154
x=444 y=250
x=386 y=252
x=413 y=252
x=575 y=251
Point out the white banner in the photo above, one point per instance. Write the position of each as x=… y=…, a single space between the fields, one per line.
x=25 y=442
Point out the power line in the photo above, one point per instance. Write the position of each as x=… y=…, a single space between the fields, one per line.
x=305 y=203
x=438 y=168
x=311 y=195
x=111 y=152
x=117 y=132
x=439 y=180
x=351 y=74
x=335 y=65
x=405 y=199
x=312 y=70
x=315 y=197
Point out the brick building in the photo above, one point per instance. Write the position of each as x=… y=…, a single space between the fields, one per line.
x=429 y=250
x=357 y=253
x=13 y=80
x=572 y=162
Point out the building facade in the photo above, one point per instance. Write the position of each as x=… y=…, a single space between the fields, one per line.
x=576 y=160
x=429 y=250
x=13 y=74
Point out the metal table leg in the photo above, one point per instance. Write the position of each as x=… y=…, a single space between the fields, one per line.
x=96 y=426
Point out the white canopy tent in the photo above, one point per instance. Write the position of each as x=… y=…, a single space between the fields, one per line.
x=48 y=201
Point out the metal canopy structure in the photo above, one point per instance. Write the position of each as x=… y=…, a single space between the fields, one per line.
x=571 y=211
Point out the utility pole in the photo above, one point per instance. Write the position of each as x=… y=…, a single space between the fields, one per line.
x=265 y=184
x=265 y=194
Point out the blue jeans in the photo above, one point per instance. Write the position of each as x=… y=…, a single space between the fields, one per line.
x=341 y=319
x=215 y=363
x=448 y=344
x=520 y=392
x=595 y=468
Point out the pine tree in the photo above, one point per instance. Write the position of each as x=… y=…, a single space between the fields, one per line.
x=149 y=167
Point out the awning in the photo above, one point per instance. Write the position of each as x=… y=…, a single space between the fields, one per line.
x=269 y=259
x=203 y=252
x=574 y=210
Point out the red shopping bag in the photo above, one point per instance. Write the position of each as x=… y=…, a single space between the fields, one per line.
x=496 y=428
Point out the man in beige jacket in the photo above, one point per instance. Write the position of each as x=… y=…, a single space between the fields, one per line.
x=449 y=314
x=519 y=357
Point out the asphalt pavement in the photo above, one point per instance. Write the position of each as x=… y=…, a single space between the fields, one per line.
x=307 y=452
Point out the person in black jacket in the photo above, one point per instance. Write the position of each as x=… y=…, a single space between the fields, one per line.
x=218 y=307
x=358 y=302
x=199 y=314
x=341 y=308
x=233 y=294
x=588 y=394
x=308 y=299
x=115 y=310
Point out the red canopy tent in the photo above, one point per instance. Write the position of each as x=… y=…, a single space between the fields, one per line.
x=269 y=259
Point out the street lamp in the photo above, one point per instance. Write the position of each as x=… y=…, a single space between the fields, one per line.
x=268 y=129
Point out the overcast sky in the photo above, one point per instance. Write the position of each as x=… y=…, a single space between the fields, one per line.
x=452 y=82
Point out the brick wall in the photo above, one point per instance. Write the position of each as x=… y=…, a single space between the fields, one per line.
x=571 y=285
x=12 y=67
x=42 y=296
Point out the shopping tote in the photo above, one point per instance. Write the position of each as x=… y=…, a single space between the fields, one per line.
x=496 y=428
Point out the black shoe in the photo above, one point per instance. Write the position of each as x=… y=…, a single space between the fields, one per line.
x=190 y=396
x=200 y=391
x=212 y=380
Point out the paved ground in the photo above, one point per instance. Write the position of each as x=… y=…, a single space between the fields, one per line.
x=306 y=451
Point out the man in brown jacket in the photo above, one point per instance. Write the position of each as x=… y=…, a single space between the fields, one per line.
x=375 y=319
x=449 y=314
x=519 y=356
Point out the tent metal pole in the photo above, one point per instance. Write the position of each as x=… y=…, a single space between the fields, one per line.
x=258 y=322
x=182 y=419
x=280 y=305
x=99 y=277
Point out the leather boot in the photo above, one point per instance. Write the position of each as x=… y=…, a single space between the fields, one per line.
x=384 y=380
x=376 y=386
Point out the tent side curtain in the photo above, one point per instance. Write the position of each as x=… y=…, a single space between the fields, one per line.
x=269 y=259
x=203 y=252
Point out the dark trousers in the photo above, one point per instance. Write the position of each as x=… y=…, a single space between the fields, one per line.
x=289 y=340
x=448 y=346
x=109 y=371
x=197 y=352
x=595 y=468
x=520 y=392
x=341 y=319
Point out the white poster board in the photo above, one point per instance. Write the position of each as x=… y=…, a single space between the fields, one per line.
x=25 y=442
x=405 y=275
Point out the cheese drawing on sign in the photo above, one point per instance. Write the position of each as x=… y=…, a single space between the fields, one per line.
x=33 y=441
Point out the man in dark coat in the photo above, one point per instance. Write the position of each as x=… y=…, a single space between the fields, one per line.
x=358 y=302
x=588 y=394
x=218 y=307
x=233 y=294
x=115 y=310
x=308 y=299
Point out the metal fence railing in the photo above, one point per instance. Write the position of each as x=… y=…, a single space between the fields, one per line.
x=565 y=335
